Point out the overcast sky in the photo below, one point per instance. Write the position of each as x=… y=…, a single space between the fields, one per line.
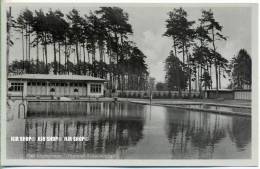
x=148 y=23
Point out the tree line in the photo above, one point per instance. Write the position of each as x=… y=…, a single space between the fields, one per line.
x=194 y=55
x=241 y=71
x=98 y=43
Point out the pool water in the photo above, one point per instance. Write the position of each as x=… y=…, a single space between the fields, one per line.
x=122 y=130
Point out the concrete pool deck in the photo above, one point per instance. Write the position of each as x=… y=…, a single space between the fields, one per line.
x=178 y=103
x=246 y=103
x=243 y=103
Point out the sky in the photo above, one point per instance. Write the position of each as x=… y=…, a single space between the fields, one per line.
x=148 y=23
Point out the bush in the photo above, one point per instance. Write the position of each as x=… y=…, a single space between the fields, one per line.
x=185 y=96
x=155 y=96
x=139 y=95
x=169 y=95
x=175 y=96
x=165 y=95
x=122 y=94
x=200 y=96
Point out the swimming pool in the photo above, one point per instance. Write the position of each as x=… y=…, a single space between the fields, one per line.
x=123 y=130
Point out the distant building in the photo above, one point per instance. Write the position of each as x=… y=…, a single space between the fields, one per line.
x=55 y=85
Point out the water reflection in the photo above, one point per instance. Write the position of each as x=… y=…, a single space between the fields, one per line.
x=121 y=130
x=199 y=134
x=240 y=132
x=218 y=107
x=110 y=128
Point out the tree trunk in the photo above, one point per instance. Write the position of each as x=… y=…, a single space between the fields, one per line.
x=200 y=80
x=219 y=72
x=59 y=60
x=77 y=54
x=117 y=63
x=23 y=48
x=216 y=65
x=189 y=70
x=100 y=47
x=29 y=49
x=183 y=55
x=210 y=72
x=84 y=59
x=26 y=47
x=43 y=55
x=179 y=84
x=196 y=79
x=55 y=59
x=46 y=55
x=37 y=55
x=174 y=46
x=65 y=57
x=204 y=71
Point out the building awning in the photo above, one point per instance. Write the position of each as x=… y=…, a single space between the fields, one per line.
x=54 y=77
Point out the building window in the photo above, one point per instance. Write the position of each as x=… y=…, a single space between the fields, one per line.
x=16 y=87
x=76 y=90
x=95 y=88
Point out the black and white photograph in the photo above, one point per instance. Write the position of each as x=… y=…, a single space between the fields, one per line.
x=101 y=82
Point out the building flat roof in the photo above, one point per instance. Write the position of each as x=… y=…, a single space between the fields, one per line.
x=54 y=77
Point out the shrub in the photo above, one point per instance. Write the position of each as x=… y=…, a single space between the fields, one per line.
x=175 y=96
x=169 y=95
x=155 y=95
x=122 y=94
x=186 y=96
x=139 y=95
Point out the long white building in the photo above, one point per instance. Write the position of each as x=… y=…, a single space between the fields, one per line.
x=55 y=85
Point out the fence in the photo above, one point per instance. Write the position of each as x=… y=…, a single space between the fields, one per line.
x=242 y=95
x=229 y=94
x=225 y=94
x=232 y=94
x=157 y=94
